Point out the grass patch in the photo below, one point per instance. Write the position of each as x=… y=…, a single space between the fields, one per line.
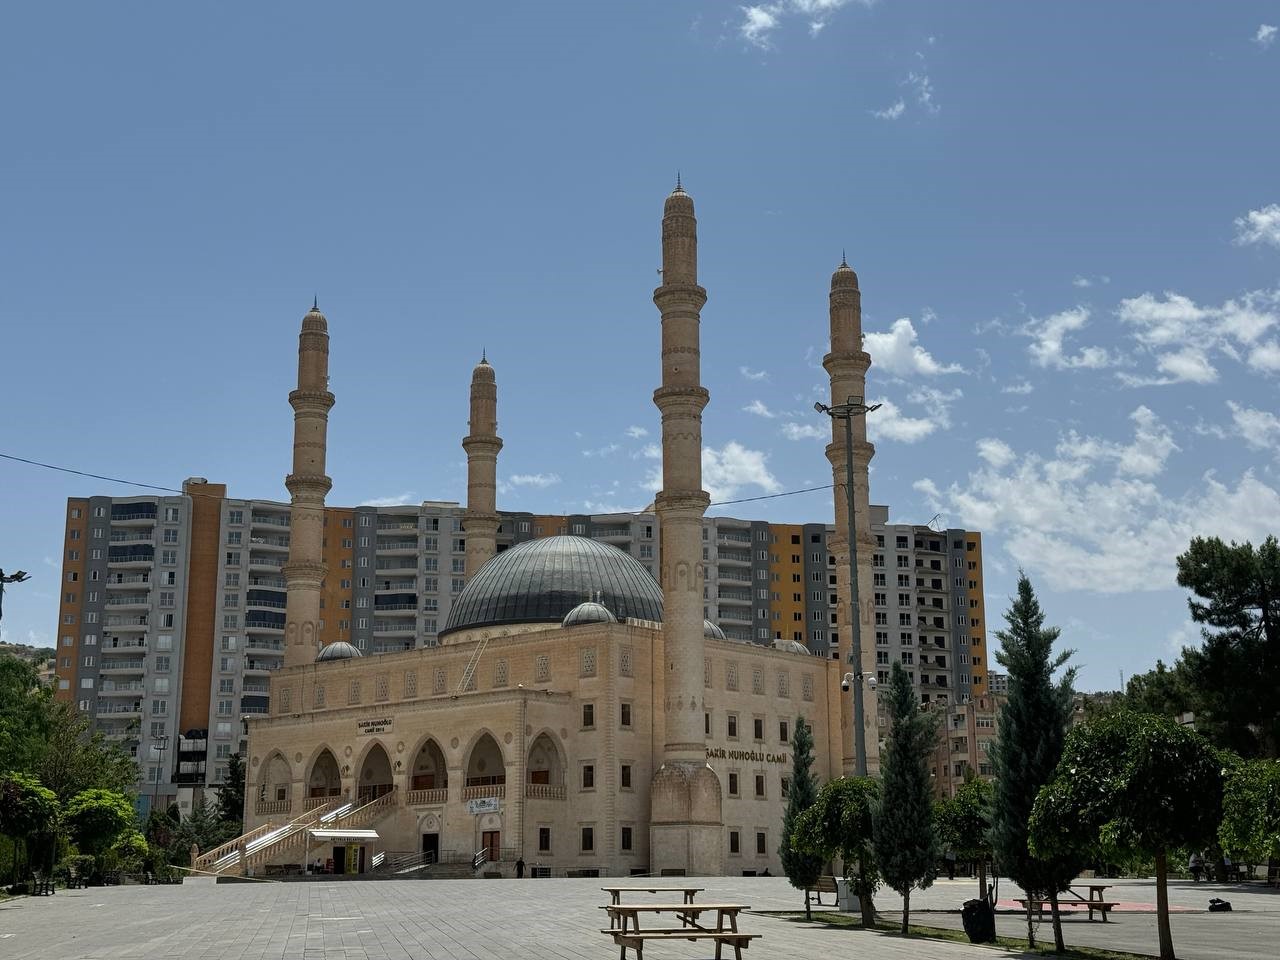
x=850 y=921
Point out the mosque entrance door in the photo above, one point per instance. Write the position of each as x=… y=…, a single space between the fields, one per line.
x=491 y=841
x=431 y=847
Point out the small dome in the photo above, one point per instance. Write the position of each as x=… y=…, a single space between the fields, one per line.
x=589 y=612
x=314 y=321
x=711 y=631
x=482 y=370
x=338 y=650
x=844 y=276
x=791 y=646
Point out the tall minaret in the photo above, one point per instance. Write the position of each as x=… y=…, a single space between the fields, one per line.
x=686 y=820
x=480 y=521
x=847 y=365
x=307 y=484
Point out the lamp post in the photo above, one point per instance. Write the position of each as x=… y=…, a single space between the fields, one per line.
x=19 y=576
x=853 y=407
x=160 y=744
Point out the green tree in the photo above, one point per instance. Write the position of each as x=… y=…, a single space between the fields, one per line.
x=28 y=817
x=1131 y=784
x=1167 y=691
x=75 y=759
x=230 y=800
x=906 y=843
x=23 y=707
x=96 y=819
x=801 y=867
x=1028 y=745
x=1250 y=829
x=839 y=825
x=964 y=824
x=1237 y=672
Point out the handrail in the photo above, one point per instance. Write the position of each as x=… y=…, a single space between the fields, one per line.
x=481 y=856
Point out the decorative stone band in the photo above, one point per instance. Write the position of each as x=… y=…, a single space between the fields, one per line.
x=482 y=443
x=299 y=483
x=678 y=294
x=304 y=570
x=313 y=398
x=855 y=364
x=863 y=451
x=674 y=501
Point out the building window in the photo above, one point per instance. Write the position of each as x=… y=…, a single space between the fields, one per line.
x=760 y=843
x=733 y=784
x=625 y=776
x=706 y=722
x=624 y=714
x=319 y=695
x=758 y=728
x=500 y=673
x=624 y=662
x=731 y=676
x=588 y=776
x=353 y=692
x=784 y=732
x=733 y=726
x=588 y=839
x=440 y=681
x=735 y=843
x=626 y=838
x=544 y=839
x=542 y=669
x=760 y=785
x=588 y=716
x=588 y=662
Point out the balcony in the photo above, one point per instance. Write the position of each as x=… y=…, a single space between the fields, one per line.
x=120 y=710
x=142 y=536
x=269 y=520
x=129 y=560
x=498 y=790
x=734 y=596
x=259 y=561
x=269 y=543
x=135 y=602
x=261 y=666
x=121 y=624
x=388 y=526
x=729 y=536
x=422 y=798
x=611 y=533
x=396 y=627
x=262 y=689
x=122 y=582
x=278 y=583
x=122 y=666
x=268 y=626
x=735 y=556
x=112 y=645
x=111 y=689
x=736 y=575
x=396 y=586
x=400 y=564
x=389 y=607
x=264 y=644
x=733 y=614
x=397 y=546
x=134 y=515
x=270 y=604
x=544 y=791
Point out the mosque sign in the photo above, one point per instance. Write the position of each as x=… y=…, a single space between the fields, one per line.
x=749 y=756
x=369 y=728
x=482 y=805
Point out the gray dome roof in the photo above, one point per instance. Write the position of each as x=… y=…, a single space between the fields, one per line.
x=711 y=631
x=338 y=650
x=589 y=612
x=540 y=581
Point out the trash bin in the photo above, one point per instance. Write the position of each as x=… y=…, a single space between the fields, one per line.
x=846 y=900
x=979 y=921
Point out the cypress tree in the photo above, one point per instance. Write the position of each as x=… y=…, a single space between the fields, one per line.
x=1028 y=745
x=906 y=841
x=802 y=869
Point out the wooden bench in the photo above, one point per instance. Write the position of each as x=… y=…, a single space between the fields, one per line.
x=1102 y=906
x=41 y=886
x=821 y=886
x=636 y=939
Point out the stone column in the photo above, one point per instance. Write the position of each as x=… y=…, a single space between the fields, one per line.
x=307 y=485
x=847 y=365
x=480 y=520
x=686 y=821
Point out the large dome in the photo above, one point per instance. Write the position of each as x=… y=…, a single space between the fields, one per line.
x=539 y=581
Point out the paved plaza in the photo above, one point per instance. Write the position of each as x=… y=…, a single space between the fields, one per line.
x=541 y=920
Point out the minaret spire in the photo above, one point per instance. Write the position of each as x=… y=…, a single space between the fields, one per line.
x=846 y=366
x=685 y=796
x=482 y=443
x=307 y=485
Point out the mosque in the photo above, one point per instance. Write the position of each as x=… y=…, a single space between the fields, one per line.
x=577 y=715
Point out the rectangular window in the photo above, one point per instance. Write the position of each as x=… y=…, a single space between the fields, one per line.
x=759 y=784
x=235 y=516
x=758 y=728
x=760 y=844
x=733 y=726
x=625 y=714
x=625 y=776
x=588 y=776
x=784 y=733
x=733 y=784
x=588 y=715
x=735 y=842
x=626 y=838
x=544 y=839
x=588 y=839
x=234 y=538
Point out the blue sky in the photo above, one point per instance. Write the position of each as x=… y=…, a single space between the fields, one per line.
x=1065 y=219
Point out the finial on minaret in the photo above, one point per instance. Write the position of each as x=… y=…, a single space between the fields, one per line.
x=843 y=260
x=484 y=355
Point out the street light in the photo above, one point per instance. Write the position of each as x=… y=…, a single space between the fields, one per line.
x=853 y=407
x=18 y=577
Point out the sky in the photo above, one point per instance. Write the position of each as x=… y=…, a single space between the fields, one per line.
x=1065 y=219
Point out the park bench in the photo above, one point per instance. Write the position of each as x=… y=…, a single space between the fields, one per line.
x=822 y=885
x=626 y=932
x=41 y=885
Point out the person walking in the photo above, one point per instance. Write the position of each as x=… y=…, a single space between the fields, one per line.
x=1196 y=866
x=520 y=869
x=949 y=855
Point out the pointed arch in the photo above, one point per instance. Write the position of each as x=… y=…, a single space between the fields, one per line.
x=324 y=776
x=428 y=769
x=373 y=773
x=485 y=763
x=545 y=761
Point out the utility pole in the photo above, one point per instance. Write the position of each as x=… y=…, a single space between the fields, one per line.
x=853 y=407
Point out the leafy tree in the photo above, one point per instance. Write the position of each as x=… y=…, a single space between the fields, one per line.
x=1167 y=691
x=28 y=815
x=1237 y=598
x=839 y=824
x=1131 y=783
x=964 y=824
x=23 y=706
x=906 y=844
x=96 y=819
x=76 y=759
x=230 y=800
x=1028 y=745
x=1250 y=829
x=802 y=868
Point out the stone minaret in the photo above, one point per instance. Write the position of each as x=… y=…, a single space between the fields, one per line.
x=307 y=484
x=480 y=521
x=847 y=365
x=686 y=820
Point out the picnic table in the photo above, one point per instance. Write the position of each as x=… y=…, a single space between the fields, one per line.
x=1071 y=896
x=617 y=892
x=627 y=933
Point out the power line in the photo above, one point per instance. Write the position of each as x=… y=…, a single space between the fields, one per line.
x=156 y=486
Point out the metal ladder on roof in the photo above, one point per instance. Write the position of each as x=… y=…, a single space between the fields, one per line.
x=469 y=673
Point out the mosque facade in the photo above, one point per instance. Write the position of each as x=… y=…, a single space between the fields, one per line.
x=576 y=714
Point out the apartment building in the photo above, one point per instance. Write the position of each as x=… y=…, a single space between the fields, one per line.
x=966 y=733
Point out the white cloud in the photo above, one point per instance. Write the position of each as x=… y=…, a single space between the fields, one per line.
x=890 y=423
x=750 y=374
x=1086 y=282
x=759 y=21
x=399 y=500
x=996 y=452
x=1265 y=36
x=539 y=480
x=1260 y=429
x=1067 y=520
x=1260 y=226
x=635 y=433
x=1188 y=365
x=759 y=409
x=923 y=88
x=806 y=431
x=1021 y=388
x=607 y=450
x=724 y=471
x=897 y=352
x=1266 y=357
x=1050 y=335
x=892 y=112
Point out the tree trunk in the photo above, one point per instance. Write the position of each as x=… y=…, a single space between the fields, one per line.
x=1162 y=905
x=867 y=904
x=808 y=912
x=906 y=910
x=982 y=880
x=1031 y=930
x=1058 y=945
